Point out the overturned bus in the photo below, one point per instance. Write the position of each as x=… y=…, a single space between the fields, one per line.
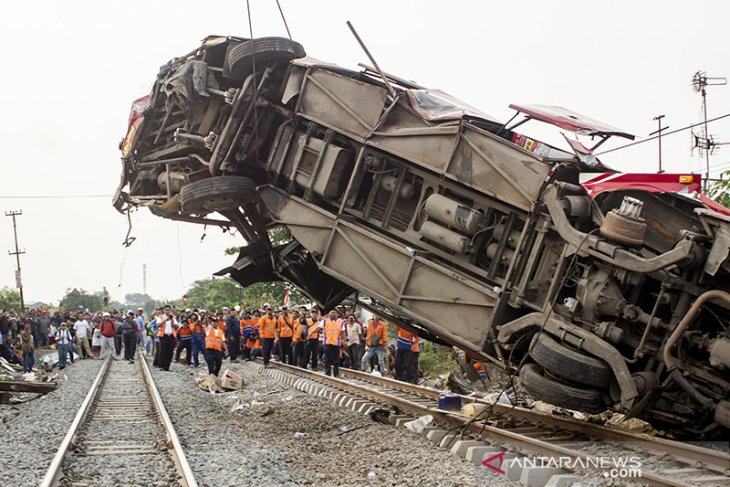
x=601 y=290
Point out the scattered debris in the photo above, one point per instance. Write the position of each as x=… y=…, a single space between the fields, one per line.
x=372 y=475
x=458 y=385
x=287 y=398
x=417 y=425
x=230 y=380
x=380 y=415
x=301 y=436
x=27 y=386
x=499 y=398
x=239 y=406
x=210 y=383
x=345 y=430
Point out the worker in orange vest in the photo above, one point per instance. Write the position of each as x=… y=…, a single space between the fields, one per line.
x=406 y=351
x=215 y=344
x=334 y=334
x=299 y=339
x=375 y=340
x=311 y=350
x=198 y=340
x=267 y=333
x=184 y=342
x=285 y=333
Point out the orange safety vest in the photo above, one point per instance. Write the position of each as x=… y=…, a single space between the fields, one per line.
x=284 y=327
x=332 y=332
x=298 y=328
x=380 y=331
x=184 y=332
x=222 y=325
x=214 y=339
x=250 y=343
x=267 y=327
x=161 y=330
x=198 y=328
x=313 y=329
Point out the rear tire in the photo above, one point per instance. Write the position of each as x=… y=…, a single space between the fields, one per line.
x=570 y=364
x=266 y=50
x=559 y=394
x=220 y=193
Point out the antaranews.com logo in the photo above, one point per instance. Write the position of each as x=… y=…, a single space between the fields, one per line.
x=615 y=467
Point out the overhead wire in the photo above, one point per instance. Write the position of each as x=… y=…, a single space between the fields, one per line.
x=663 y=134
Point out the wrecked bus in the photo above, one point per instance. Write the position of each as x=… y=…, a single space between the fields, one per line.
x=600 y=290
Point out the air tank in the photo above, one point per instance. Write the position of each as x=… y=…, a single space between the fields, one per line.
x=454 y=214
x=445 y=237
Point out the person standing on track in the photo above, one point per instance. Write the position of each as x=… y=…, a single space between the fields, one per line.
x=334 y=334
x=233 y=334
x=139 y=320
x=375 y=340
x=198 y=339
x=354 y=337
x=129 y=335
x=299 y=339
x=215 y=344
x=63 y=341
x=311 y=351
x=284 y=333
x=184 y=341
x=167 y=324
x=118 y=337
x=108 y=332
x=81 y=327
x=267 y=333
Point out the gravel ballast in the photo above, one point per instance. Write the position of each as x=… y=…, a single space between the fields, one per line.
x=31 y=431
x=261 y=445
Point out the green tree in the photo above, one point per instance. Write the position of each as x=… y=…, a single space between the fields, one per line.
x=214 y=293
x=9 y=298
x=720 y=190
x=79 y=298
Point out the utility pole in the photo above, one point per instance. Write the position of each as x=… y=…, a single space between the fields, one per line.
x=658 y=118
x=144 y=278
x=700 y=81
x=18 y=277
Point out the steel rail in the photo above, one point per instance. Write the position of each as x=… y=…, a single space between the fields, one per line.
x=175 y=449
x=173 y=442
x=715 y=460
x=55 y=469
x=481 y=429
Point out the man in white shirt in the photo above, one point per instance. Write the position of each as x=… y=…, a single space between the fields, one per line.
x=81 y=327
x=63 y=341
x=167 y=324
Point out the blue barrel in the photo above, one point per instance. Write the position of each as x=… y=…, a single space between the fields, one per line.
x=450 y=402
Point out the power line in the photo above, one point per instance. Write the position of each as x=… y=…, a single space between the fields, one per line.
x=664 y=134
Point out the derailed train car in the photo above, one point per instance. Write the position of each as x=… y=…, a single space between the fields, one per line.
x=602 y=291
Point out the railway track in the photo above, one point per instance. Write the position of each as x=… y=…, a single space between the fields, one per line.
x=536 y=446
x=121 y=435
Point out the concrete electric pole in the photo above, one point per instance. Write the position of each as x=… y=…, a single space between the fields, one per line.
x=18 y=277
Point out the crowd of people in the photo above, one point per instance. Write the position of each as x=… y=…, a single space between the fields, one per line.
x=301 y=337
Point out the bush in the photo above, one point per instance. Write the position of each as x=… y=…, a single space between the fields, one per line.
x=435 y=360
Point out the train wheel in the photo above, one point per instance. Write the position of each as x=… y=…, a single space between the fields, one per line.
x=219 y=193
x=569 y=364
x=240 y=58
x=548 y=389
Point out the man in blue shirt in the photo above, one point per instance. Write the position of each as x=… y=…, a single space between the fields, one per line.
x=233 y=335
